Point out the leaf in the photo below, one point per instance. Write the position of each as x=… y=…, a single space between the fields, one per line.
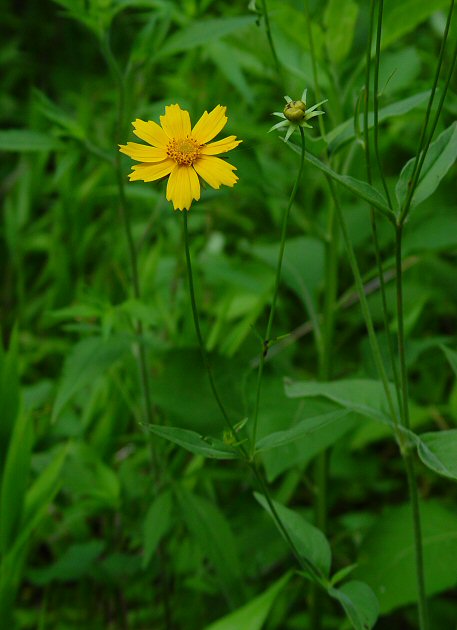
x=195 y=443
x=359 y=602
x=252 y=615
x=214 y=535
x=440 y=157
x=156 y=524
x=402 y=17
x=9 y=393
x=310 y=543
x=363 y=396
x=387 y=559
x=15 y=480
x=340 y=19
x=451 y=356
x=76 y=562
x=200 y=32
x=88 y=361
x=308 y=426
x=27 y=141
x=357 y=187
x=438 y=451
x=345 y=132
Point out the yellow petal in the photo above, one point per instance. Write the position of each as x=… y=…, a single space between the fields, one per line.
x=183 y=186
x=143 y=152
x=221 y=146
x=209 y=125
x=150 y=132
x=215 y=171
x=176 y=122
x=151 y=172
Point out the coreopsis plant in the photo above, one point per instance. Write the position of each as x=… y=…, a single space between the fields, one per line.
x=182 y=153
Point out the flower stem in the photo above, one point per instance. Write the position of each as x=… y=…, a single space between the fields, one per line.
x=408 y=457
x=271 y=42
x=267 y=338
x=201 y=343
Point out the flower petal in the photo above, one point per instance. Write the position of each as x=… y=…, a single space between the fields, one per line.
x=209 y=125
x=176 y=122
x=143 y=152
x=150 y=132
x=215 y=171
x=151 y=172
x=183 y=186
x=221 y=146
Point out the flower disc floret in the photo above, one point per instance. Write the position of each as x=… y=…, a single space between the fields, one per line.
x=182 y=153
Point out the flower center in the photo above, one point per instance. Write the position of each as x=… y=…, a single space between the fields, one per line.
x=183 y=151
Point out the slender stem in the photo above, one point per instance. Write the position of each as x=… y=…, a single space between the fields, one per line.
x=423 y=145
x=367 y=316
x=267 y=338
x=374 y=228
x=201 y=343
x=376 y=100
x=407 y=455
x=266 y=17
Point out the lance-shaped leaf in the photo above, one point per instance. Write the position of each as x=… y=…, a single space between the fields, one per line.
x=195 y=443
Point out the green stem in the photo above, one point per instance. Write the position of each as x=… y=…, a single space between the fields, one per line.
x=267 y=338
x=376 y=100
x=423 y=144
x=407 y=455
x=271 y=42
x=374 y=228
x=201 y=343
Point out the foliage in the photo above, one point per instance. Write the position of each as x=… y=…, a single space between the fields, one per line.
x=125 y=501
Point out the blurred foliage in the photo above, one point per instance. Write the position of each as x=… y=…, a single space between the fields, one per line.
x=102 y=523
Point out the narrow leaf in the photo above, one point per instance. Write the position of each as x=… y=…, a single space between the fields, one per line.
x=438 y=451
x=440 y=157
x=252 y=615
x=310 y=543
x=359 y=602
x=27 y=140
x=156 y=523
x=195 y=443
x=303 y=428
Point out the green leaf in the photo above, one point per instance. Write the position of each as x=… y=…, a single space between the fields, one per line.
x=440 y=157
x=202 y=31
x=360 y=189
x=451 y=356
x=90 y=479
x=340 y=19
x=73 y=564
x=26 y=141
x=345 y=132
x=213 y=533
x=195 y=443
x=308 y=426
x=156 y=523
x=359 y=602
x=387 y=558
x=88 y=361
x=15 y=480
x=402 y=17
x=310 y=543
x=9 y=393
x=252 y=615
x=363 y=396
x=438 y=451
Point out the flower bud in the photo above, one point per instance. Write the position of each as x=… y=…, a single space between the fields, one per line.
x=295 y=111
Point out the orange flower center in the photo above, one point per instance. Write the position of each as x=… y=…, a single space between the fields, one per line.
x=184 y=151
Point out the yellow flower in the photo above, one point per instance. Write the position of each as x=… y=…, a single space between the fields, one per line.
x=182 y=153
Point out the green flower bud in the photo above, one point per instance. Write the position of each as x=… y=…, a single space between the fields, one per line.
x=295 y=111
